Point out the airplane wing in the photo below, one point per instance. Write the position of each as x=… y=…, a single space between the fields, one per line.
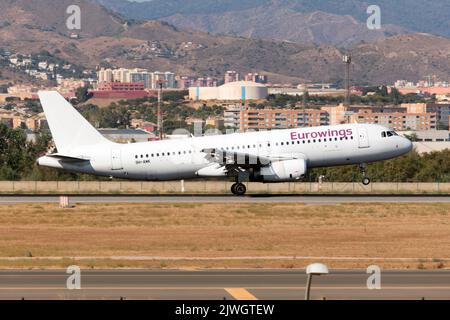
x=242 y=159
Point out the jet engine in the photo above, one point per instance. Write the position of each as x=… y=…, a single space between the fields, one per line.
x=282 y=171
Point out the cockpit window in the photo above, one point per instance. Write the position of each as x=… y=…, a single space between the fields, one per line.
x=392 y=133
x=385 y=134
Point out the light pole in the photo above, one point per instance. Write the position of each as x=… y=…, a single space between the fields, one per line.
x=160 y=117
x=314 y=269
x=347 y=59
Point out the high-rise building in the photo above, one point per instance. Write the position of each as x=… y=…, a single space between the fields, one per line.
x=121 y=75
x=156 y=78
x=140 y=75
x=105 y=75
x=169 y=78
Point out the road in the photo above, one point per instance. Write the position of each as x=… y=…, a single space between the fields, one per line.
x=307 y=199
x=222 y=284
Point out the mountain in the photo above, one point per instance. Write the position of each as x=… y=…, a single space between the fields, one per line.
x=50 y=16
x=340 y=23
x=108 y=39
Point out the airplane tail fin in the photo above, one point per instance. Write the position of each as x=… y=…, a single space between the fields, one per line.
x=68 y=127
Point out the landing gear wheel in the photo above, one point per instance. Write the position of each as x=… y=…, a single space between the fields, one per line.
x=233 y=188
x=366 y=181
x=240 y=189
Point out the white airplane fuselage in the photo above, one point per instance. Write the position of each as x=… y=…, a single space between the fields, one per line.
x=177 y=159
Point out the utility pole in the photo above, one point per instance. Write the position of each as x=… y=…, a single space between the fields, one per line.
x=304 y=96
x=160 y=120
x=347 y=59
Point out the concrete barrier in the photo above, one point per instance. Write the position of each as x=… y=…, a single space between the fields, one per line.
x=215 y=187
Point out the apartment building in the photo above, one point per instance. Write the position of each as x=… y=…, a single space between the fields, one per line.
x=442 y=111
x=415 y=117
x=150 y=79
x=399 y=121
x=238 y=117
x=254 y=119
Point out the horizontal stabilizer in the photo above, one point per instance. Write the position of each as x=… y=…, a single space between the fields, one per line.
x=66 y=158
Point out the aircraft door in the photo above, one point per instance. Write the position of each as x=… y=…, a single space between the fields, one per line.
x=363 y=138
x=116 y=159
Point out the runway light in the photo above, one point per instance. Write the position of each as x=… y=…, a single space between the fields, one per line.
x=317 y=269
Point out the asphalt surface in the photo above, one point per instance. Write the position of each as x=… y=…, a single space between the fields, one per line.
x=308 y=199
x=222 y=284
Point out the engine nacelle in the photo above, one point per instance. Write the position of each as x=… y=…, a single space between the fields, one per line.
x=283 y=171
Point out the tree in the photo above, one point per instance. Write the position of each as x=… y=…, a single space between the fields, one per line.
x=83 y=94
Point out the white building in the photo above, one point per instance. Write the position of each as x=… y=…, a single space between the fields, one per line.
x=232 y=91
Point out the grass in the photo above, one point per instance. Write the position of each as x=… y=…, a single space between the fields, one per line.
x=416 y=231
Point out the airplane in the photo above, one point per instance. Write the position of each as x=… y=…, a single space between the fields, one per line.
x=264 y=156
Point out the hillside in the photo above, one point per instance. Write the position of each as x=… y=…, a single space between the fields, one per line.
x=50 y=16
x=295 y=20
x=160 y=46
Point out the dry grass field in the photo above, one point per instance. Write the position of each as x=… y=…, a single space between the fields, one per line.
x=420 y=232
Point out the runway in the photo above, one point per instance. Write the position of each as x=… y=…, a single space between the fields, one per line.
x=307 y=199
x=222 y=284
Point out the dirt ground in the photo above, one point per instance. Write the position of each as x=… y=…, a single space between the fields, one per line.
x=342 y=236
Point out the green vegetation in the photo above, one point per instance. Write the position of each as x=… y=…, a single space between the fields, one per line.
x=379 y=97
x=18 y=157
x=428 y=167
x=83 y=94
x=175 y=112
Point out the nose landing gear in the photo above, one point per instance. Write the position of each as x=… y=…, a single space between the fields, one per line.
x=366 y=180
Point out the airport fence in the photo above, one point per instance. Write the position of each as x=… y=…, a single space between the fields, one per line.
x=215 y=187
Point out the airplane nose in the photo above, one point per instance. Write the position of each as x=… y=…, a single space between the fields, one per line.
x=407 y=145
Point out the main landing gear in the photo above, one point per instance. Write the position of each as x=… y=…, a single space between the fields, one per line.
x=362 y=169
x=238 y=189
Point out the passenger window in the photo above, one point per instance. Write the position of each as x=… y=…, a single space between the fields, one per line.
x=390 y=134
x=383 y=134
